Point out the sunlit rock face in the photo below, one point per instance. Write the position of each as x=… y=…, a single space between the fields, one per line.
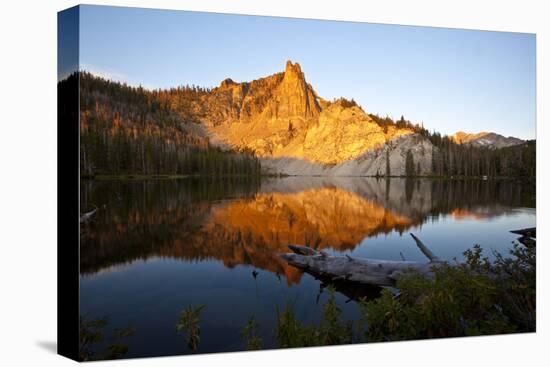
x=282 y=96
x=282 y=120
x=343 y=134
x=294 y=98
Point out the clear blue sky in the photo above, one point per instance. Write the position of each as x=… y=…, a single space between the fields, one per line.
x=448 y=79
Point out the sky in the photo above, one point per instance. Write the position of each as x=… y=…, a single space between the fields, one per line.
x=447 y=79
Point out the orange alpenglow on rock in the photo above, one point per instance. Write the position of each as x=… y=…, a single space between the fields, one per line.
x=283 y=121
x=251 y=231
x=294 y=97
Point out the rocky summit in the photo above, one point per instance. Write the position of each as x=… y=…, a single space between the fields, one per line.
x=485 y=139
x=294 y=131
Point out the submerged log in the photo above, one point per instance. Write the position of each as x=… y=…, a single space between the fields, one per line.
x=358 y=270
x=526 y=232
x=528 y=236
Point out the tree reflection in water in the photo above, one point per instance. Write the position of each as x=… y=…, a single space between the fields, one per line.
x=240 y=221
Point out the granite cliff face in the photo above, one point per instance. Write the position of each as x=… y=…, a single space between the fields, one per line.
x=282 y=120
x=281 y=96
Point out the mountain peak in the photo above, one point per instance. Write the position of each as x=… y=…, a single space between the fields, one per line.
x=293 y=73
x=294 y=97
x=485 y=139
x=227 y=82
x=280 y=116
x=292 y=68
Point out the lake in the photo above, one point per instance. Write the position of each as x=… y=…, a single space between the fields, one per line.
x=158 y=246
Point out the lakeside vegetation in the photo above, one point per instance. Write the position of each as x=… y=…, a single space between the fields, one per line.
x=451 y=159
x=92 y=334
x=477 y=297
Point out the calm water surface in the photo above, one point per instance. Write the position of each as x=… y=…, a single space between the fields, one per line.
x=161 y=245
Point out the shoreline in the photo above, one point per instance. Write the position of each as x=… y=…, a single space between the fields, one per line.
x=103 y=177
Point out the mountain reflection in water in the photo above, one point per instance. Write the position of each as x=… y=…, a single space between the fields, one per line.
x=239 y=221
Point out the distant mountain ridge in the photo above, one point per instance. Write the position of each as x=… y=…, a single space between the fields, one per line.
x=277 y=124
x=486 y=139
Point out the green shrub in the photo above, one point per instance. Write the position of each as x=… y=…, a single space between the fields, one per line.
x=474 y=298
x=290 y=333
x=250 y=335
x=189 y=321
x=91 y=333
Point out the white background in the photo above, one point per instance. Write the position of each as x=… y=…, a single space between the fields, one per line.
x=28 y=183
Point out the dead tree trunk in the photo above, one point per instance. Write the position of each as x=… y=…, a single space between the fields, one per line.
x=363 y=271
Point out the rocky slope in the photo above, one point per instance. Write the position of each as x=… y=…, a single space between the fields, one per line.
x=373 y=162
x=282 y=120
x=486 y=139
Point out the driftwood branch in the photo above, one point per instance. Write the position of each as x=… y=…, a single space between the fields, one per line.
x=358 y=270
x=426 y=251
x=87 y=216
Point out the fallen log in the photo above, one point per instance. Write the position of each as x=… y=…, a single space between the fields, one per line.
x=358 y=270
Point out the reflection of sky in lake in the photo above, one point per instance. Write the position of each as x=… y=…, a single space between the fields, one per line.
x=150 y=294
x=449 y=237
x=163 y=245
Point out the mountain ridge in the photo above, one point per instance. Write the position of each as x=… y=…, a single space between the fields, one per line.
x=485 y=139
x=277 y=124
x=282 y=117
